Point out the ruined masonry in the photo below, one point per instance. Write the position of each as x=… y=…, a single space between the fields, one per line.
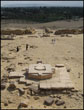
x=46 y=76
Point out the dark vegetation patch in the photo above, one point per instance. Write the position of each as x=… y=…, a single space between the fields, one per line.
x=42 y=14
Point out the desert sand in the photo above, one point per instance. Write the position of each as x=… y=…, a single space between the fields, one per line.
x=66 y=50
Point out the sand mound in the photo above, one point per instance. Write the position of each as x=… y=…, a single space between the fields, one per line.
x=67 y=31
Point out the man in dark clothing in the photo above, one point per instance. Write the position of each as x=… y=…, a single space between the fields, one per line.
x=27 y=46
x=17 y=48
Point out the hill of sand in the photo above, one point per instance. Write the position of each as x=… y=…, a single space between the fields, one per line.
x=55 y=24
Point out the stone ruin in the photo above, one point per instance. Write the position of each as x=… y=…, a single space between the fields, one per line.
x=44 y=76
x=18 y=31
x=40 y=71
x=68 y=31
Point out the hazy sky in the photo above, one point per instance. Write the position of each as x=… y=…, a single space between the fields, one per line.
x=42 y=3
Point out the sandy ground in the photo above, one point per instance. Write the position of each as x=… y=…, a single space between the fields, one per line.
x=66 y=50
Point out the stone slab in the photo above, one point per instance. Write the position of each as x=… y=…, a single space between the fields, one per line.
x=61 y=80
x=32 y=69
x=22 y=80
x=16 y=74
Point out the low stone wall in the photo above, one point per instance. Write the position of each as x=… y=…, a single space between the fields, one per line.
x=17 y=31
x=67 y=31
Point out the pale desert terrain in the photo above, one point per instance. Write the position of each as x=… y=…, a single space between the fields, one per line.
x=66 y=50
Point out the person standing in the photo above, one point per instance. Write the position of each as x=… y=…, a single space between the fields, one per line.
x=17 y=49
x=27 y=46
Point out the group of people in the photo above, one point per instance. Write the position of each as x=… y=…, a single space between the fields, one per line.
x=27 y=46
x=53 y=41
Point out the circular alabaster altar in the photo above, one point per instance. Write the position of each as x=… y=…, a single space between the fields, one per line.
x=40 y=71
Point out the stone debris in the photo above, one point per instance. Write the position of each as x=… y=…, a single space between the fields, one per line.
x=36 y=97
x=3 y=86
x=18 y=31
x=62 y=35
x=12 y=85
x=23 y=103
x=10 y=69
x=30 y=31
x=28 y=96
x=74 y=90
x=68 y=31
x=22 y=80
x=34 y=89
x=46 y=35
x=69 y=69
x=16 y=74
x=5 y=104
x=53 y=96
x=59 y=65
x=48 y=30
x=21 y=91
x=59 y=102
x=65 y=106
x=49 y=101
x=58 y=97
x=68 y=35
x=10 y=101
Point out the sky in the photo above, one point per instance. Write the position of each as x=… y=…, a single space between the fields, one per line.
x=41 y=3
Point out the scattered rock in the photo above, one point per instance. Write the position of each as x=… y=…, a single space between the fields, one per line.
x=82 y=94
x=46 y=35
x=79 y=74
x=58 y=97
x=44 y=106
x=21 y=91
x=30 y=31
x=59 y=102
x=68 y=35
x=4 y=79
x=69 y=69
x=33 y=46
x=32 y=107
x=65 y=106
x=59 y=65
x=6 y=103
x=3 y=86
x=34 y=89
x=52 y=96
x=12 y=86
x=74 y=90
x=36 y=97
x=47 y=30
x=23 y=103
x=49 y=101
x=70 y=95
x=9 y=101
x=62 y=35
x=10 y=70
x=28 y=96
